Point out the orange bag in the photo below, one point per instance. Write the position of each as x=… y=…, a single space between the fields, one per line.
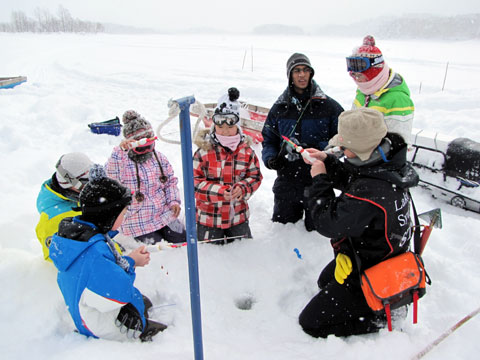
x=393 y=283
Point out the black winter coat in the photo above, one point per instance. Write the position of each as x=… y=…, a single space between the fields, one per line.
x=317 y=125
x=373 y=209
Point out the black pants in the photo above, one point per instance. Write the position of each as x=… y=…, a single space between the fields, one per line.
x=339 y=310
x=289 y=204
x=224 y=235
x=164 y=233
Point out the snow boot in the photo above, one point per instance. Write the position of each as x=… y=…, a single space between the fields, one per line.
x=148 y=305
x=152 y=328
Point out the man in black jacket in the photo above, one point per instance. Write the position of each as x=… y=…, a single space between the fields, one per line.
x=304 y=114
x=371 y=217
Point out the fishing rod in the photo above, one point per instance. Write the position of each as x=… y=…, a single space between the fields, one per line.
x=165 y=245
x=300 y=150
x=334 y=150
x=287 y=141
x=445 y=334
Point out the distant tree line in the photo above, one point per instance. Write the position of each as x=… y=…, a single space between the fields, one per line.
x=44 y=22
x=459 y=27
x=277 y=29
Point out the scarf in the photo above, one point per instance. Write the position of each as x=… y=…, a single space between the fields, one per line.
x=372 y=86
x=119 y=259
x=230 y=142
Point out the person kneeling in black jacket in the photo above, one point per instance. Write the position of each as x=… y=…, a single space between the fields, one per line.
x=370 y=218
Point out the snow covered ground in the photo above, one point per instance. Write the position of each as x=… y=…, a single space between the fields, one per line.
x=77 y=79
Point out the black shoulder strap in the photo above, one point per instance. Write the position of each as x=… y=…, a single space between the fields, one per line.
x=358 y=262
x=416 y=228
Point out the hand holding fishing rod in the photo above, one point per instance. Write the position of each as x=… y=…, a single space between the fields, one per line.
x=128 y=144
x=311 y=155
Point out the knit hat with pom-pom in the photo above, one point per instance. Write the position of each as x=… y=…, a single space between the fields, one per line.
x=228 y=103
x=369 y=50
x=135 y=126
x=103 y=199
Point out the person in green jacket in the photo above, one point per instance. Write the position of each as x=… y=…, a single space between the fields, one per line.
x=381 y=88
x=59 y=194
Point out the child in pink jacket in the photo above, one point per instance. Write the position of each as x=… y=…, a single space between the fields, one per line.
x=153 y=214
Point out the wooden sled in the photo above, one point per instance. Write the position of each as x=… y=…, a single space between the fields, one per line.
x=10 y=82
x=252 y=119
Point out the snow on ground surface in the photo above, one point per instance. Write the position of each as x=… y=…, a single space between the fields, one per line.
x=74 y=80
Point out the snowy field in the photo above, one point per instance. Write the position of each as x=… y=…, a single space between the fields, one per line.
x=74 y=80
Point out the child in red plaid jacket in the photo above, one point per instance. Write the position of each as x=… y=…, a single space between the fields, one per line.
x=226 y=172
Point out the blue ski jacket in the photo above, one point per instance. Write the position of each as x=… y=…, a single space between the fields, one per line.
x=93 y=285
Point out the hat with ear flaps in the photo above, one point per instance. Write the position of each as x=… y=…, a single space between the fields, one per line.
x=360 y=131
x=103 y=199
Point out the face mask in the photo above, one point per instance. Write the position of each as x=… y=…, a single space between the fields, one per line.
x=230 y=142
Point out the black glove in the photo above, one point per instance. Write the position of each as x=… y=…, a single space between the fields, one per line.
x=275 y=164
x=279 y=161
x=129 y=319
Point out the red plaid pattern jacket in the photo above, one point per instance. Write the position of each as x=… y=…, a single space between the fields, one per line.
x=215 y=170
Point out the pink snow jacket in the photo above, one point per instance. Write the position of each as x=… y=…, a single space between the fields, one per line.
x=153 y=213
x=215 y=170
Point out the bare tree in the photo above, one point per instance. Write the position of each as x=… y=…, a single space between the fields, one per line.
x=19 y=21
x=65 y=19
x=45 y=22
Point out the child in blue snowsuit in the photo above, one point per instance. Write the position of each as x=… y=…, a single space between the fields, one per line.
x=95 y=280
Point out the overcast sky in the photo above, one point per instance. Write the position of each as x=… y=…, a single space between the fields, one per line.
x=241 y=15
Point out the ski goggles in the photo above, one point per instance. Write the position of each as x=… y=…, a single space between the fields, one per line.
x=77 y=182
x=361 y=63
x=143 y=146
x=229 y=119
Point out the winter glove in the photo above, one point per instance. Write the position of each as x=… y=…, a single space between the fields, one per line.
x=278 y=162
x=275 y=163
x=292 y=154
x=343 y=268
x=129 y=319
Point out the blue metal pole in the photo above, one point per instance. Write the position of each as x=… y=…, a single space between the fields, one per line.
x=191 y=228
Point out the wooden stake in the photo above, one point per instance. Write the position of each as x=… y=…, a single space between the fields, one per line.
x=445 y=78
x=252 y=57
